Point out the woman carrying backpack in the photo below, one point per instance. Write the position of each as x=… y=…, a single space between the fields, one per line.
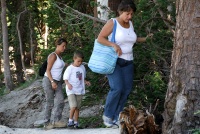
x=52 y=85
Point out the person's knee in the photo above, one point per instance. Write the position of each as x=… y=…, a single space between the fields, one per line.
x=73 y=108
x=116 y=89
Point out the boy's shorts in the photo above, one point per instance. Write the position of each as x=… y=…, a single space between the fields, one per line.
x=75 y=100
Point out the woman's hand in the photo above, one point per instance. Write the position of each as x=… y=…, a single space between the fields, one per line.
x=54 y=85
x=144 y=39
x=117 y=49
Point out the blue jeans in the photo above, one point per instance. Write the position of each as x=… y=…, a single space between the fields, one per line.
x=121 y=83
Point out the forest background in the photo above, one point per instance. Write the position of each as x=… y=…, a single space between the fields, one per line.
x=34 y=25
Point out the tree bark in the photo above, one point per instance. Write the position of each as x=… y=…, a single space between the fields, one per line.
x=182 y=98
x=7 y=72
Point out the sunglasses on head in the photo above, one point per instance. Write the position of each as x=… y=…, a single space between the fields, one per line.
x=60 y=41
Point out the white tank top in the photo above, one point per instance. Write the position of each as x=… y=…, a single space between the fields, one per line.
x=57 y=68
x=125 y=38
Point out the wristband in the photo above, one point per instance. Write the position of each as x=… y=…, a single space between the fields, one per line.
x=52 y=81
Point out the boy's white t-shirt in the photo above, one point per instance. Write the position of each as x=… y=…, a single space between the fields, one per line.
x=76 y=77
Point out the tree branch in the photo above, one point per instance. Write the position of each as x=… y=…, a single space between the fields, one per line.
x=79 y=13
x=167 y=20
x=162 y=16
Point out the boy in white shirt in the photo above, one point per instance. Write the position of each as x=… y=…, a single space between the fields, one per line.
x=74 y=77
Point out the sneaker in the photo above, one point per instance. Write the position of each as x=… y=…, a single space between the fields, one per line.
x=48 y=126
x=116 y=124
x=70 y=124
x=76 y=126
x=59 y=124
x=108 y=122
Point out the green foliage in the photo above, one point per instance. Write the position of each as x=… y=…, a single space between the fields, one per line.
x=195 y=131
x=95 y=94
x=91 y=122
x=2 y=91
x=24 y=85
x=152 y=89
x=2 y=86
x=198 y=112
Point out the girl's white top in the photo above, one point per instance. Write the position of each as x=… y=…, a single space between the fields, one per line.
x=57 y=68
x=76 y=77
x=125 y=38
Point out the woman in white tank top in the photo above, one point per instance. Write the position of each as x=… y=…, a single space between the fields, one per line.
x=121 y=80
x=52 y=85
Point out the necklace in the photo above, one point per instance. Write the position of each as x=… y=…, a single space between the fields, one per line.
x=128 y=31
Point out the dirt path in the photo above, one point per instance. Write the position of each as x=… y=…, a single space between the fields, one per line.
x=6 y=130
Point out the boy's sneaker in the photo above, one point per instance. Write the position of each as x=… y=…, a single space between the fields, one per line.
x=70 y=124
x=76 y=126
x=108 y=122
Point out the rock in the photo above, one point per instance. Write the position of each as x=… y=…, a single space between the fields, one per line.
x=39 y=123
x=25 y=108
x=5 y=130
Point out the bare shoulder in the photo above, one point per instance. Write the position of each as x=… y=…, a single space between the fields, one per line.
x=107 y=29
x=110 y=22
x=52 y=56
x=108 y=26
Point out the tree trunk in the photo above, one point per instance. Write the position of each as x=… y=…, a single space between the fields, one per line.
x=21 y=46
x=31 y=28
x=33 y=42
x=182 y=98
x=1 y=54
x=17 y=56
x=103 y=9
x=7 y=73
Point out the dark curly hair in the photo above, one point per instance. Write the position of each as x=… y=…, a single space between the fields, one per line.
x=126 y=6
